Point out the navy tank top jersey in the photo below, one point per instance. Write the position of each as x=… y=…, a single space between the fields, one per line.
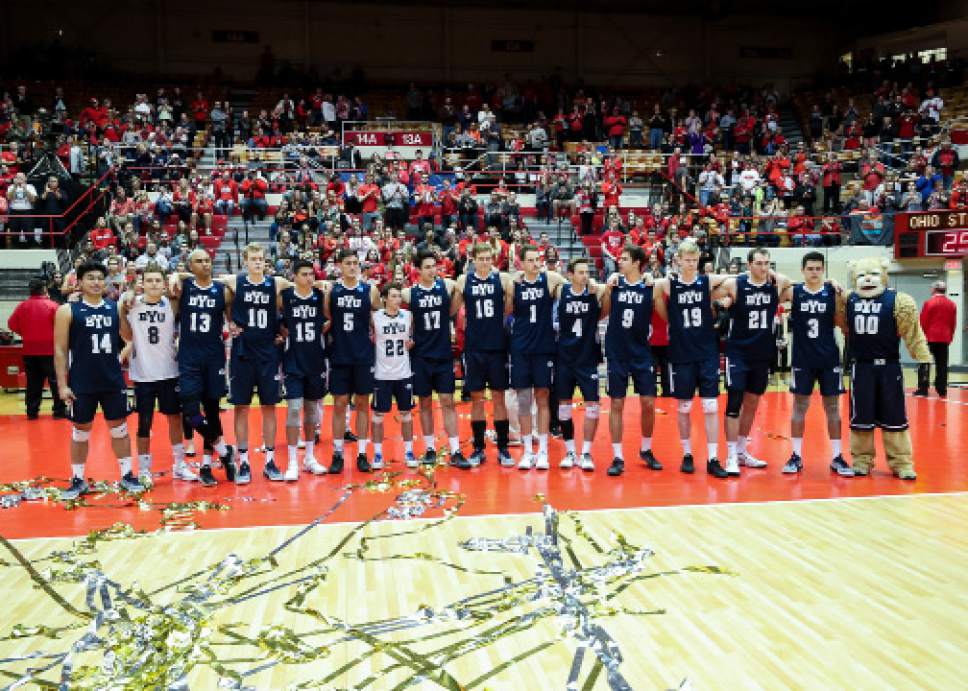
x=201 y=316
x=303 y=316
x=430 y=308
x=692 y=334
x=812 y=327
x=95 y=341
x=350 y=309
x=484 y=313
x=254 y=308
x=872 y=327
x=629 y=322
x=532 y=331
x=577 y=318
x=752 y=317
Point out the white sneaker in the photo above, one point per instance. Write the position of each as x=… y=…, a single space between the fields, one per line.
x=751 y=461
x=569 y=460
x=527 y=461
x=377 y=462
x=587 y=463
x=311 y=465
x=292 y=473
x=542 y=462
x=412 y=461
x=181 y=471
x=732 y=466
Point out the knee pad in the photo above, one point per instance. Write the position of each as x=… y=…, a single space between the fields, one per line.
x=710 y=405
x=525 y=397
x=564 y=411
x=592 y=410
x=685 y=407
x=80 y=434
x=293 y=409
x=734 y=402
x=377 y=418
x=406 y=416
x=121 y=431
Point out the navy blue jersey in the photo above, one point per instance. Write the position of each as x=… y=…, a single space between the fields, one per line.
x=873 y=329
x=349 y=309
x=201 y=316
x=532 y=331
x=431 y=321
x=812 y=327
x=484 y=313
x=577 y=317
x=305 y=347
x=692 y=334
x=254 y=308
x=629 y=322
x=752 y=317
x=95 y=341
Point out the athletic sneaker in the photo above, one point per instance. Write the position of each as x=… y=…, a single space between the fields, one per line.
x=411 y=460
x=129 y=483
x=750 y=461
x=429 y=457
x=377 y=462
x=243 y=475
x=617 y=467
x=794 y=465
x=514 y=440
x=292 y=472
x=715 y=469
x=205 y=476
x=504 y=458
x=180 y=471
x=336 y=465
x=587 y=462
x=476 y=458
x=651 y=462
x=228 y=462
x=77 y=487
x=311 y=465
x=272 y=472
x=363 y=463
x=841 y=467
x=688 y=464
x=190 y=450
x=527 y=461
x=458 y=461
x=569 y=460
x=541 y=462
x=732 y=466
x=349 y=436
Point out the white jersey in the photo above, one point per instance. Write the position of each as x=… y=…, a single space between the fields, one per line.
x=392 y=356
x=153 y=357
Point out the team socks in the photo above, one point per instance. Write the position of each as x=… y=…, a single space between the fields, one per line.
x=361 y=446
x=835 y=447
x=178 y=453
x=125 y=464
x=686 y=446
x=712 y=449
x=270 y=454
x=543 y=444
x=338 y=446
x=220 y=448
x=586 y=446
x=408 y=446
x=477 y=428
x=292 y=454
x=617 y=450
x=646 y=444
x=797 y=443
x=310 y=447
x=77 y=470
x=377 y=448
x=429 y=442
x=454 y=443
x=503 y=429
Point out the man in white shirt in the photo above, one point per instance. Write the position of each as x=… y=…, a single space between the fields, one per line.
x=21 y=196
x=393 y=339
x=749 y=179
x=151 y=255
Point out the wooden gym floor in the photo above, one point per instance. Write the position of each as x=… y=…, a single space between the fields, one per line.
x=383 y=581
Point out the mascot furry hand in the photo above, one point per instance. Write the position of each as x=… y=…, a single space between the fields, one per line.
x=876 y=320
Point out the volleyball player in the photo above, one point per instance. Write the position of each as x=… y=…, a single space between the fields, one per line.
x=148 y=323
x=487 y=296
x=579 y=308
x=750 y=352
x=303 y=365
x=816 y=358
x=431 y=357
x=254 y=360
x=532 y=350
x=347 y=307
x=203 y=307
x=627 y=354
x=392 y=336
x=87 y=341
x=685 y=301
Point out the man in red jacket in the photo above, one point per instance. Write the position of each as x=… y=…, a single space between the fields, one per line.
x=938 y=317
x=33 y=320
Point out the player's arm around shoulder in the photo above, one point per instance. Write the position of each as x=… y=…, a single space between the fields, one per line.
x=375 y=301
x=125 y=304
x=62 y=337
x=660 y=297
x=555 y=281
x=725 y=292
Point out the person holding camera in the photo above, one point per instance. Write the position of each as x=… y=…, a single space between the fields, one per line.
x=21 y=196
x=33 y=320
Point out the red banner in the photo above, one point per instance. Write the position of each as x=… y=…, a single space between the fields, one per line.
x=382 y=138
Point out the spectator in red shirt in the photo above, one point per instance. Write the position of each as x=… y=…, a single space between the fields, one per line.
x=102 y=236
x=226 y=192
x=448 y=198
x=200 y=109
x=659 y=345
x=33 y=320
x=611 y=191
x=254 y=187
x=368 y=194
x=830 y=179
x=938 y=319
x=613 y=240
x=616 y=124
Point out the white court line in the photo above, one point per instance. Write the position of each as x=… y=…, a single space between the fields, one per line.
x=537 y=513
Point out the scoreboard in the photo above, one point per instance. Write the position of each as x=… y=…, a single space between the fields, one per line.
x=931 y=234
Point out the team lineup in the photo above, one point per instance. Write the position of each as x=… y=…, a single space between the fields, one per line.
x=534 y=331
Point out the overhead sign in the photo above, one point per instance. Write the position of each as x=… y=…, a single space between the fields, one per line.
x=383 y=138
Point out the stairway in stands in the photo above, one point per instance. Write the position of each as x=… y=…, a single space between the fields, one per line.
x=562 y=235
x=790 y=126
